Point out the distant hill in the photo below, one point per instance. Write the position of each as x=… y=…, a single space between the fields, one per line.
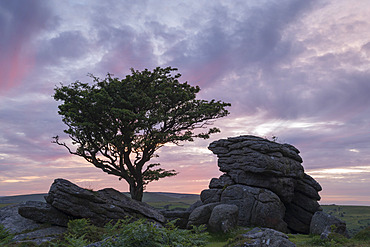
x=22 y=198
x=169 y=197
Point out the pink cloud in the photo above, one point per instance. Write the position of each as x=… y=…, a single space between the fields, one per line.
x=20 y=22
x=14 y=68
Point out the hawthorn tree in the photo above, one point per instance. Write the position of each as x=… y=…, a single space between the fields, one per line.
x=117 y=125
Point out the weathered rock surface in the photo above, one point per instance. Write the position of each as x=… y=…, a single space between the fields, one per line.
x=210 y=196
x=40 y=236
x=195 y=205
x=220 y=183
x=257 y=155
x=201 y=215
x=181 y=217
x=266 y=181
x=66 y=201
x=14 y=222
x=98 y=206
x=42 y=212
x=224 y=218
x=323 y=224
x=26 y=230
x=258 y=207
x=262 y=237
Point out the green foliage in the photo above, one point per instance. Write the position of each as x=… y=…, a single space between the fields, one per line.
x=363 y=235
x=141 y=233
x=114 y=118
x=130 y=233
x=78 y=227
x=238 y=241
x=83 y=228
x=221 y=239
x=334 y=240
x=80 y=232
x=5 y=236
x=74 y=241
x=318 y=241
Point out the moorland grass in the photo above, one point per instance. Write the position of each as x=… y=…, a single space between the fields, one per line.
x=357 y=218
x=363 y=235
x=2 y=205
x=170 y=205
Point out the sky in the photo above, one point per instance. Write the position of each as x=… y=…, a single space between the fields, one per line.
x=295 y=69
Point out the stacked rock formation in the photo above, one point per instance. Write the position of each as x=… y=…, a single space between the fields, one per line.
x=266 y=180
x=66 y=201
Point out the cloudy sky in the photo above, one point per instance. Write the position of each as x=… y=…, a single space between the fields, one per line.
x=295 y=69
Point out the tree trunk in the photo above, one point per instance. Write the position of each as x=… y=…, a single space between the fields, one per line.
x=136 y=192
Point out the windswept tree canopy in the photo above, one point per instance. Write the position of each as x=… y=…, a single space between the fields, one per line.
x=118 y=124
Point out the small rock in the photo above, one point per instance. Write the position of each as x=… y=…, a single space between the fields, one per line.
x=262 y=237
x=201 y=215
x=224 y=218
x=323 y=224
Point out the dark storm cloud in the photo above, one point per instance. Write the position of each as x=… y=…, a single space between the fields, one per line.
x=69 y=45
x=226 y=43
